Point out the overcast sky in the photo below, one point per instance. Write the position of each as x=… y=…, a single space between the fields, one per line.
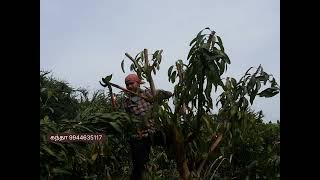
x=84 y=40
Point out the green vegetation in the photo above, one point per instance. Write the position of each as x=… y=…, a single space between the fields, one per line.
x=233 y=143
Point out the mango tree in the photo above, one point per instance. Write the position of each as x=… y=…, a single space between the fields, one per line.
x=192 y=131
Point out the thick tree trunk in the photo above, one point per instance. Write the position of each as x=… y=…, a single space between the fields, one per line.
x=180 y=154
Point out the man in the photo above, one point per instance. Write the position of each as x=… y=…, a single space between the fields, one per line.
x=140 y=142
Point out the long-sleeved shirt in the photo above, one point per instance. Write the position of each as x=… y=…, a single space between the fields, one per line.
x=142 y=108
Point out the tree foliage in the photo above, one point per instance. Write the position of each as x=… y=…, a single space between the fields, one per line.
x=233 y=143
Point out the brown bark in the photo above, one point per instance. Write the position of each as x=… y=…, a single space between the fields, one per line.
x=212 y=148
x=148 y=73
x=180 y=154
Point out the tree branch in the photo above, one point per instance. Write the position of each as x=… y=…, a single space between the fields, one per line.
x=148 y=73
x=212 y=148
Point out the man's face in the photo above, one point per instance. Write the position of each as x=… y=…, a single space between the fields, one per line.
x=132 y=86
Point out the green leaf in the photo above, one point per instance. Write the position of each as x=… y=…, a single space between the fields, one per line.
x=251 y=83
x=221 y=67
x=180 y=62
x=266 y=76
x=220 y=83
x=233 y=111
x=269 y=92
x=210 y=104
x=228 y=83
x=159 y=57
x=226 y=58
x=196 y=38
x=214 y=74
x=258 y=86
x=122 y=63
x=104 y=85
x=193 y=40
x=173 y=76
x=252 y=164
x=43 y=89
x=49 y=94
x=107 y=79
x=191 y=51
x=208 y=90
x=252 y=96
x=158 y=67
x=94 y=156
x=247 y=72
x=216 y=71
x=60 y=171
x=169 y=71
x=234 y=82
x=154 y=56
x=116 y=126
x=220 y=43
x=273 y=82
x=138 y=59
x=132 y=67
x=245 y=103
x=50 y=108
x=190 y=73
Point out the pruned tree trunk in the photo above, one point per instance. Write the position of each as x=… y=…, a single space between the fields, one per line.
x=148 y=73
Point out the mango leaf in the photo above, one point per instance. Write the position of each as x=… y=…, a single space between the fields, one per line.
x=269 y=92
x=43 y=89
x=233 y=111
x=221 y=67
x=60 y=171
x=252 y=164
x=234 y=82
x=258 y=86
x=245 y=103
x=169 y=71
x=252 y=96
x=137 y=57
x=108 y=116
x=193 y=40
x=220 y=83
x=51 y=109
x=49 y=94
x=220 y=43
x=159 y=57
x=251 y=84
x=197 y=37
x=107 y=79
x=266 y=76
x=191 y=52
x=116 y=126
x=226 y=58
x=173 y=76
x=132 y=67
x=94 y=156
x=208 y=90
x=273 y=82
x=122 y=64
x=104 y=85
x=155 y=55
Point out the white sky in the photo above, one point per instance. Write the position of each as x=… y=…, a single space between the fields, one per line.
x=84 y=40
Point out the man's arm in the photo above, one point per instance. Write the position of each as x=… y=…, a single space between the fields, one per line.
x=162 y=94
